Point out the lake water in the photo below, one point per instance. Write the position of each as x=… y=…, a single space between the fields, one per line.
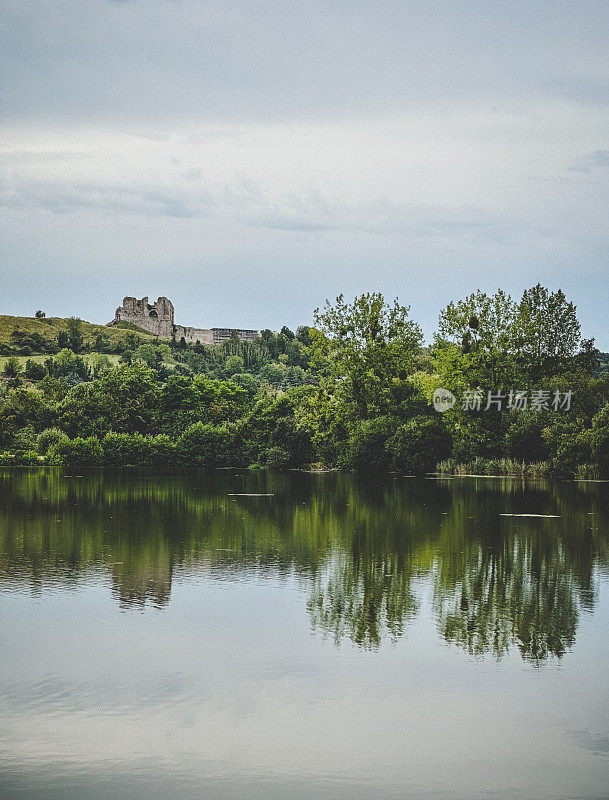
x=331 y=637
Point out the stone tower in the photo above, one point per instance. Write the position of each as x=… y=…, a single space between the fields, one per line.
x=156 y=318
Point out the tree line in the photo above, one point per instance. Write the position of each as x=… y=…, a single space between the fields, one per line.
x=355 y=390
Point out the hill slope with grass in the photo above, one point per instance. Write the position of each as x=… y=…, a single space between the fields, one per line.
x=51 y=327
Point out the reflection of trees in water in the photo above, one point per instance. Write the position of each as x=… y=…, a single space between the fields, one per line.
x=355 y=546
x=144 y=576
x=364 y=598
x=510 y=596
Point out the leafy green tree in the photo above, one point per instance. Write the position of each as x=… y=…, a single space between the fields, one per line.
x=233 y=365
x=130 y=341
x=49 y=438
x=524 y=440
x=75 y=337
x=204 y=444
x=68 y=363
x=149 y=355
x=600 y=440
x=475 y=346
x=123 y=399
x=368 y=446
x=274 y=374
x=99 y=363
x=569 y=446
x=34 y=371
x=548 y=331
x=40 y=314
x=12 y=368
x=364 y=352
x=247 y=381
x=480 y=322
x=302 y=334
x=275 y=458
x=273 y=423
x=102 y=343
x=134 y=449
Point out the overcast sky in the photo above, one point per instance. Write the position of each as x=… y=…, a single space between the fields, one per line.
x=250 y=159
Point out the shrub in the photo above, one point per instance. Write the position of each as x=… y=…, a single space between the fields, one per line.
x=25 y=439
x=204 y=444
x=572 y=450
x=275 y=458
x=600 y=440
x=34 y=371
x=12 y=368
x=48 y=438
x=539 y=470
x=29 y=458
x=524 y=440
x=587 y=472
x=77 y=452
x=134 y=449
x=367 y=448
x=292 y=439
x=418 y=445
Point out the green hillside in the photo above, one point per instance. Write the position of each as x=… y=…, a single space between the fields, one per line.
x=50 y=327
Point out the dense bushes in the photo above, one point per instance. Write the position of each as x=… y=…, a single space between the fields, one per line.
x=28 y=458
x=77 y=452
x=368 y=446
x=384 y=444
x=124 y=449
x=419 y=445
x=204 y=444
x=600 y=440
x=524 y=440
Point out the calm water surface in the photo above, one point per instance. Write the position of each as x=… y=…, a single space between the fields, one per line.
x=341 y=638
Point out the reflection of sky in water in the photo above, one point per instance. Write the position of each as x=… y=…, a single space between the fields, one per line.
x=226 y=691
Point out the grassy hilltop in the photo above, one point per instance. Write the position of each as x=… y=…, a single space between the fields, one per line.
x=50 y=327
x=35 y=330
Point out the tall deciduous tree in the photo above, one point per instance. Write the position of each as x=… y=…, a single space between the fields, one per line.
x=75 y=337
x=548 y=330
x=476 y=343
x=365 y=350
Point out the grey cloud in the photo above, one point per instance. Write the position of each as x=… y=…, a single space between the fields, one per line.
x=599 y=158
x=300 y=226
x=14 y=158
x=594 y=743
x=586 y=89
x=69 y=198
x=142 y=61
x=246 y=204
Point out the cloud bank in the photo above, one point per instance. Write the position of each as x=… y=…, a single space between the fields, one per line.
x=250 y=159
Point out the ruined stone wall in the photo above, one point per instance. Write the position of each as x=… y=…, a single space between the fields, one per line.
x=194 y=334
x=158 y=319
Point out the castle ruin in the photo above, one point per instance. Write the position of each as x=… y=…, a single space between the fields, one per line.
x=158 y=319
